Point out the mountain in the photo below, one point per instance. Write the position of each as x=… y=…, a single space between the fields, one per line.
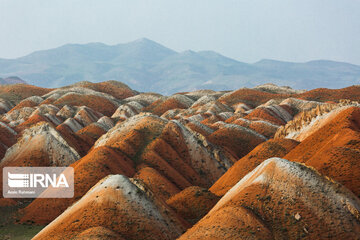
x=148 y=66
x=11 y=80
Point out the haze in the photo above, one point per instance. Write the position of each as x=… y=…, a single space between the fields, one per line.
x=248 y=31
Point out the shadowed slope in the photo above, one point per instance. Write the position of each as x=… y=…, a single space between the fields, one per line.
x=236 y=139
x=268 y=149
x=193 y=203
x=173 y=150
x=157 y=183
x=7 y=138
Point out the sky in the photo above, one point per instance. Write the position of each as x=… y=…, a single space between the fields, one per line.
x=246 y=30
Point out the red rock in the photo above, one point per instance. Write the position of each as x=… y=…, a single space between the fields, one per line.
x=236 y=139
x=118 y=90
x=160 y=106
x=324 y=94
x=267 y=203
x=334 y=149
x=268 y=149
x=98 y=233
x=97 y=103
x=157 y=183
x=250 y=97
x=193 y=203
x=123 y=206
x=21 y=91
x=264 y=114
x=99 y=163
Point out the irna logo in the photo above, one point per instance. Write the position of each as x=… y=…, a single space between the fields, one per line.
x=36 y=180
x=41 y=182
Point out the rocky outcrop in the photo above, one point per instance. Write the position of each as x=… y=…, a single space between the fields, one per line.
x=273 y=88
x=306 y=119
x=41 y=145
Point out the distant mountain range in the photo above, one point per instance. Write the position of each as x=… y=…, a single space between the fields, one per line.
x=148 y=66
x=11 y=80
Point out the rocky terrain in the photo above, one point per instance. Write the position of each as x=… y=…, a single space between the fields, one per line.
x=269 y=162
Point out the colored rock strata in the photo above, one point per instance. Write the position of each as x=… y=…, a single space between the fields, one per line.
x=263 y=163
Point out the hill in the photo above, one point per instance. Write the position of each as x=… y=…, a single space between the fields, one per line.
x=263 y=163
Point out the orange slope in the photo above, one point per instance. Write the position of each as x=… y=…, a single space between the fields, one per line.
x=334 y=149
x=282 y=200
x=121 y=205
x=268 y=149
x=99 y=163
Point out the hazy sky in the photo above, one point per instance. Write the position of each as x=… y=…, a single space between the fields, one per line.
x=247 y=30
